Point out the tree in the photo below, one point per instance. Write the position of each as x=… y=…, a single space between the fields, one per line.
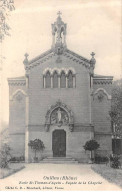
x=4 y=155
x=116 y=109
x=5 y=7
x=36 y=145
x=91 y=146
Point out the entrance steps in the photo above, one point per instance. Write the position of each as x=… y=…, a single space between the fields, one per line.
x=59 y=160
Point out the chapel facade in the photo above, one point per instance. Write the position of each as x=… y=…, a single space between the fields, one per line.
x=60 y=101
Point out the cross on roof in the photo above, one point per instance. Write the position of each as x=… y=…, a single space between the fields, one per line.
x=92 y=54
x=26 y=55
x=59 y=13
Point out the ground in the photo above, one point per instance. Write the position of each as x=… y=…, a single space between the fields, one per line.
x=12 y=168
x=56 y=177
x=111 y=174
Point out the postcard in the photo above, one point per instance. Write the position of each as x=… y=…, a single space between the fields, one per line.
x=60 y=95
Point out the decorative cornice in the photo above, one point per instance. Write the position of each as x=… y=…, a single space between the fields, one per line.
x=17 y=82
x=40 y=56
x=78 y=127
x=59 y=70
x=50 y=53
x=75 y=124
x=103 y=133
x=77 y=56
x=37 y=61
x=16 y=133
x=102 y=77
x=102 y=81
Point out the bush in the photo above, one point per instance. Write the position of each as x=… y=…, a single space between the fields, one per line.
x=36 y=145
x=91 y=146
x=101 y=159
x=17 y=159
x=115 y=163
x=4 y=155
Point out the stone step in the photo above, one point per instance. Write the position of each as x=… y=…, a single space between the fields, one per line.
x=59 y=160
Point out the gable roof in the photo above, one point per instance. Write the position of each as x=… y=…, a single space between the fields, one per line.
x=50 y=53
x=46 y=53
x=78 y=56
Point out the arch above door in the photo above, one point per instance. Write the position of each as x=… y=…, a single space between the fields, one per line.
x=58 y=115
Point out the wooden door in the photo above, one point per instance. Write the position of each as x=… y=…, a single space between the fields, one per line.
x=59 y=143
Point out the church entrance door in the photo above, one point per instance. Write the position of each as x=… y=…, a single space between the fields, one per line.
x=59 y=143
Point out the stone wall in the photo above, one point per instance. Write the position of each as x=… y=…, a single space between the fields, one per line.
x=101 y=105
x=41 y=99
x=74 y=143
x=17 y=93
x=90 y=111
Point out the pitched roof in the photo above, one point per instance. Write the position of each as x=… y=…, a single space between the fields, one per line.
x=16 y=78
x=50 y=53
x=77 y=55
x=102 y=77
x=40 y=56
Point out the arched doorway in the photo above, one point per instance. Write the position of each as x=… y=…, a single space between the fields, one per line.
x=59 y=143
x=59 y=114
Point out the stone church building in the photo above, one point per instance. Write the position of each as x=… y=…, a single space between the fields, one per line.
x=60 y=101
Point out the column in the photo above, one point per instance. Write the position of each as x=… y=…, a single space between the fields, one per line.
x=74 y=81
x=44 y=81
x=53 y=39
x=90 y=98
x=27 y=81
x=64 y=39
x=27 y=130
x=51 y=81
x=66 y=81
x=59 y=80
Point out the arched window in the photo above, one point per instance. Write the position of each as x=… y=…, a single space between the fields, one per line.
x=48 y=80
x=70 y=80
x=55 y=80
x=63 y=80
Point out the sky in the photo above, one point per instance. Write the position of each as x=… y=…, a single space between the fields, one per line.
x=92 y=25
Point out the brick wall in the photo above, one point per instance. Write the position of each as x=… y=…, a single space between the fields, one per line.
x=76 y=98
x=101 y=119
x=100 y=109
x=16 y=109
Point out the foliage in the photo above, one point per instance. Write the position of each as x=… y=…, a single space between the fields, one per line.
x=5 y=7
x=13 y=168
x=115 y=163
x=17 y=159
x=116 y=108
x=91 y=145
x=4 y=134
x=4 y=155
x=36 y=145
x=108 y=173
x=101 y=159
